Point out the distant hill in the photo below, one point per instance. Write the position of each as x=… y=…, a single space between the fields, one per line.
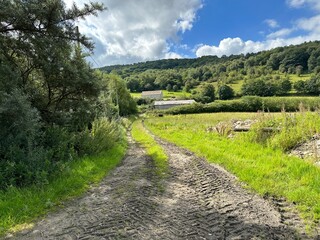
x=290 y=56
x=170 y=63
x=185 y=74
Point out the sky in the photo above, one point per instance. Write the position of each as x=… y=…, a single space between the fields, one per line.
x=131 y=31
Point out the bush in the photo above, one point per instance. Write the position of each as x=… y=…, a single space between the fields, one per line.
x=225 y=92
x=103 y=135
x=206 y=94
x=22 y=159
x=250 y=104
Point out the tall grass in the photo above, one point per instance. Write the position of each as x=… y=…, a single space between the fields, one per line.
x=20 y=206
x=266 y=170
x=294 y=128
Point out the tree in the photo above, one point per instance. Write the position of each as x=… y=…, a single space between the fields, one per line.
x=38 y=41
x=120 y=96
x=283 y=86
x=299 y=86
x=225 y=92
x=206 y=93
x=29 y=30
x=312 y=86
x=258 y=87
x=48 y=91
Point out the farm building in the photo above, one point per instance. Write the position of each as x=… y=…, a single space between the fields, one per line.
x=152 y=94
x=170 y=104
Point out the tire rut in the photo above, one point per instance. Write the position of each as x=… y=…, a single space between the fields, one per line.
x=196 y=201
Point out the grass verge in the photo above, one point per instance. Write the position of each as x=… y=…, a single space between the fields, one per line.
x=155 y=151
x=19 y=207
x=268 y=171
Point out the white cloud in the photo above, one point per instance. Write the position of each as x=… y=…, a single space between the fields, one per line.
x=272 y=23
x=230 y=46
x=138 y=30
x=309 y=29
x=280 y=33
x=310 y=24
x=314 y=4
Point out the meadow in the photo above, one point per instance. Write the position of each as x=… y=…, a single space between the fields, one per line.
x=263 y=166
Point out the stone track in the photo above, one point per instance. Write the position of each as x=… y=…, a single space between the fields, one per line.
x=196 y=201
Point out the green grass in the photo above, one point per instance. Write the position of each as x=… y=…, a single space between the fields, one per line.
x=265 y=170
x=19 y=207
x=155 y=151
x=294 y=77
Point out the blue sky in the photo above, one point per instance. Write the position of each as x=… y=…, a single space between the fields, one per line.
x=246 y=19
x=141 y=30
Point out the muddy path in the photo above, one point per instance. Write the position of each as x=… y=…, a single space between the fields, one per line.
x=196 y=201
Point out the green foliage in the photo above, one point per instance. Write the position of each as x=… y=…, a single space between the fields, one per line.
x=283 y=86
x=22 y=205
x=250 y=104
x=225 y=92
x=312 y=86
x=258 y=87
x=206 y=93
x=299 y=86
x=120 y=96
x=52 y=103
x=21 y=158
x=294 y=128
x=104 y=134
x=233 y=70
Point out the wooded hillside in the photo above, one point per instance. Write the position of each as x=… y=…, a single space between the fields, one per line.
x=269 y=68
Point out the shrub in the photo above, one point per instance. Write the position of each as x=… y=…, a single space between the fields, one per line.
x=206 y=94
x=22 y=159
x=225 y=92
x=250 y=104
x=103 y=135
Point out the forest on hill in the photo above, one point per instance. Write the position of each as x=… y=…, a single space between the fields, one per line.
x=267 y=73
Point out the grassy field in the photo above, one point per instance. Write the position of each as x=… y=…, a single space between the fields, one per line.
x=266 y=170
x=19 y=207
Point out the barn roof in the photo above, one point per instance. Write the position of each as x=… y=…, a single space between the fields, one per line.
x=173 y=102
x=151 y=92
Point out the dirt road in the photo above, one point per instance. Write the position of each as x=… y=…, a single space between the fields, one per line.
x=197 y=201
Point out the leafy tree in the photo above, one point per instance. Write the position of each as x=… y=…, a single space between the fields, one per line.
x=187 y=86
x=120 y=95
x=206 y=93
x=225 y=92
x=283 y=86
x=274 y=61
x=175 y=88
x=258 y=87
x=169 y=87
x=49 y=92
x=299 y=86
x=133 y=84
x=312 y=86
